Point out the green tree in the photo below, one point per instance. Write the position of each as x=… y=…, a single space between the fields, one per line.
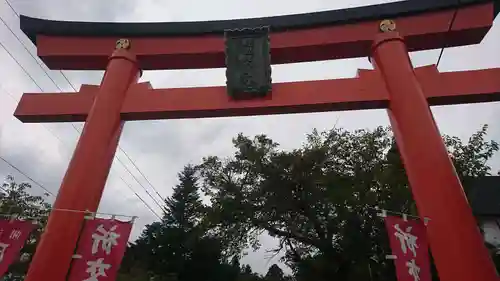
x=179 y=247
x=319 y=200
x=246 y=274
x=15 y=198
x=275 y=273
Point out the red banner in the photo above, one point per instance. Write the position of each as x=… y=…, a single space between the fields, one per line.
x=100 y=251
x=408 y=240
x=13 y=235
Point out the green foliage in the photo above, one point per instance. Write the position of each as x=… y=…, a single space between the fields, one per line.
x=15 y=198
x=179 y=247
x=275 y=273
x=319 y=200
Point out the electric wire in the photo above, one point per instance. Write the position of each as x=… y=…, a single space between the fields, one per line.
x=135 y=178
x=137 y=168
x=52 y=194
x=450 y=27
x=45 y=189
x=91 y=215
x=146 y=204
x=71 y=85
x=46 y=128
x=11 y=7
x=74 y=89
x=29 y=52
x=121 y=149
x=20 y=65
x=36 y=182
x=28 y=177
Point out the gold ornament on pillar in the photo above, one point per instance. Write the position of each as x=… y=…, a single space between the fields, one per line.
x=387 y=26
x=122 y=44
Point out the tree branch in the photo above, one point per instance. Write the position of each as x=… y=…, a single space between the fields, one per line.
x=288 y=235
x=294 y=252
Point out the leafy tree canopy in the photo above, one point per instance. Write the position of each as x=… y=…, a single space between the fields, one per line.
x=16 y=198
x=319 y=199
x=180 y=247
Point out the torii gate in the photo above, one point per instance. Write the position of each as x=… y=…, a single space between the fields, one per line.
x=383 y=32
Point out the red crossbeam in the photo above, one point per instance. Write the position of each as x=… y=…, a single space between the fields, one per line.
x=366 y=91
x=56 y=107
x=421 y=32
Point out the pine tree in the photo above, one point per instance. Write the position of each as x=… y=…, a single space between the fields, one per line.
x=274 y=273
x=184 y=208
x=178 y=247
x=179 y=233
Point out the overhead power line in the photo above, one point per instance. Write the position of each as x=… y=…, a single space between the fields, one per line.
x=52 y=194
x=28 y=51
x=137 y=168
x=28 y=177
x=135 y=178
x=144 y=202
x=74 y=89
x=450 y=27
x=43 y=125
x=11 y=7
x=74 y=127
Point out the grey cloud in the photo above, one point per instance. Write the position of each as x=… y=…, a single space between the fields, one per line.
x=74 y=10
x=161 y=148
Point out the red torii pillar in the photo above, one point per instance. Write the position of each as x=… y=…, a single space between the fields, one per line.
x=436 y=188
x=86 y=176
x=407 y=93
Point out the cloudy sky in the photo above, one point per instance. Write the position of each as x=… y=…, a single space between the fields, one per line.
x=161 y=148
